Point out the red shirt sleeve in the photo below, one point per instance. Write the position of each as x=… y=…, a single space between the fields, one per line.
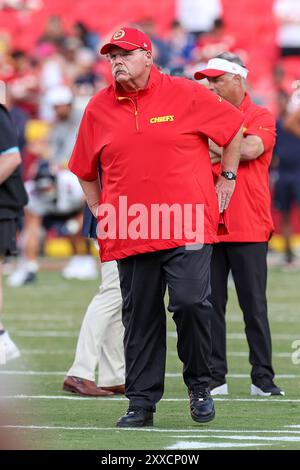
x=216 y=118
x=262 y=125
x=84 y=159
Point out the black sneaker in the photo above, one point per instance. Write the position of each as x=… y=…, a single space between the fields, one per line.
x=136 y=417
x=265 y=387
x=201 y=405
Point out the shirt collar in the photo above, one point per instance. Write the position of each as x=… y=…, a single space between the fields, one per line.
x=154 y=79
x=245 y=103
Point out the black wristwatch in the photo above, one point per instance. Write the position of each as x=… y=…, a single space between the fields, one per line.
x=229 y=175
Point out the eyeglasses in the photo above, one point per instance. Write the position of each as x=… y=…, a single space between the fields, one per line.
x=124 y=55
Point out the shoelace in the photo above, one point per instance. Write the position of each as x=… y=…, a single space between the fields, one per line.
x=133 y=409
x=199 y=394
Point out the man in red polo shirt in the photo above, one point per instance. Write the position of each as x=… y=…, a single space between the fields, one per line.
x=244 y=249
x=158 y=212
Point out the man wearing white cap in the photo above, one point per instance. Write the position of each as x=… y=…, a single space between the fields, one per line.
x=244 y=249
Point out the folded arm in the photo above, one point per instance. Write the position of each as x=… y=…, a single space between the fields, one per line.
x=229 y=162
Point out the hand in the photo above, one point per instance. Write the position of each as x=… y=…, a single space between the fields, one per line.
x=94 y=208
x=224 y=190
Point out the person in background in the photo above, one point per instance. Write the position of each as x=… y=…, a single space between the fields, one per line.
x=88 y=38
x=287 y=13
x=161 y=50
x=13 y=198
x=198 y=16
x=100 y=341
x=54 y=192
x=181 y=45
x=54 y=32
x=287 y=155
x=243 y=250
x=215 y=42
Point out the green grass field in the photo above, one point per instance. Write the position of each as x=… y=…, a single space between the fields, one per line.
x=44 y=320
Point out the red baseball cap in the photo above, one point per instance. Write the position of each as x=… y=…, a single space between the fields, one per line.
x=128 y=39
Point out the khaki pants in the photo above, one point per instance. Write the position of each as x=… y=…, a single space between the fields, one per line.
x=101 y=335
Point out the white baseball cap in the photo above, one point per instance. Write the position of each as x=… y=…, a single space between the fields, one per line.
x=59 y=95
x=217 y=67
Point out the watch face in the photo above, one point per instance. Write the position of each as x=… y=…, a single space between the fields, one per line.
x=229 y=175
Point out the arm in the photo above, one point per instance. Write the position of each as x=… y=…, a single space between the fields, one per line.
x=229 y=162
x=252 y=147
x=92 y=190
x=8 y=164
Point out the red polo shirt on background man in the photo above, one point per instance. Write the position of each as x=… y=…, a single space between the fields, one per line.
x=249 y=213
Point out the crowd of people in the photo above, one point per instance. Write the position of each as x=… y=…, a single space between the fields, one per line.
x=47 y=88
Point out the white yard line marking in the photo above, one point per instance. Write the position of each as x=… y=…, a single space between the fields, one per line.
x=231 y=431
x=171 y=334
x=30 y=372
x=54 y=352
x=76 y=397
x=260 y=441
x=58 y=397
x=273 y=318
x=280 y=337
x=69 y=317
x=41 y=352
x=168 y=375
x=246 y=354
x=241 y=376
x=36 y=326
x=45 y=334
x=182 y=445
x=209 y=434
x=42 y=317
x=242 y=354
x=65 y=428
x=242 y=336
x=243 y=438
x=154 y=430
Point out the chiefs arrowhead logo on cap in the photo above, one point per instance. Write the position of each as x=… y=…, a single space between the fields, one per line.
x=128 y=39
x=119 y=34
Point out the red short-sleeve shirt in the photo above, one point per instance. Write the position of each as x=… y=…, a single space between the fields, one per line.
x=152 y=147
x=249 y=212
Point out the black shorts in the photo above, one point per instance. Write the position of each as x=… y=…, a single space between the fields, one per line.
x=8 y=230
